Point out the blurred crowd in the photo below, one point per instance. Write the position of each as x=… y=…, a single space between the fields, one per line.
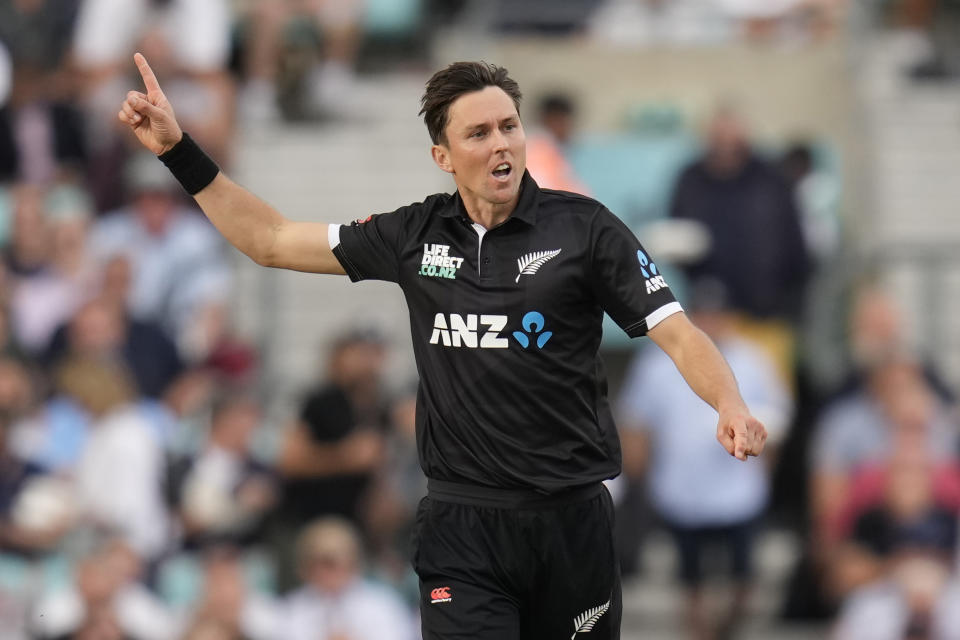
x=138 y=496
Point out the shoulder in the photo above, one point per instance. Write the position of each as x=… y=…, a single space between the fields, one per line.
x=578 y=214
x=570 y=203
x=428 y=206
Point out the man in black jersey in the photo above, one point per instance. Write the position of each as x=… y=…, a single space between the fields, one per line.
x=506 y=286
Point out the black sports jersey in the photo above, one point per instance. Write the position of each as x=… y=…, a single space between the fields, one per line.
x=506 y=324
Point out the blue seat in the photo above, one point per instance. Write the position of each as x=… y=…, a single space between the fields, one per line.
x=392 y=17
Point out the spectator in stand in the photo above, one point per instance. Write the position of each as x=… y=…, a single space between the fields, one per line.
x=398 y=489
x=177 y=260
x=102 y=330
x=330 y=80
x=28 y=250
x=45 y=133
x=35 y=507
x=546 y=145
x=855 y=434
x=49 y=296
x=219 y=614
x=33 y=513
x=334 y=602
x=121 y=469
x=704 y=498
x=225 y=494
x=859 y=430
x=331 y=455
x=190 y=39
x=917 y=601
x=757 y=246
x=106 y=601
x=911 y=500
x=876 y=333
x=817 y=194
x=894 y=565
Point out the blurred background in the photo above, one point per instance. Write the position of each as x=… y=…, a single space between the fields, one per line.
x=195 y=447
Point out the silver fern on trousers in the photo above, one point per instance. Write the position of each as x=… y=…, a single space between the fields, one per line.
x=585 y=621
x=530 y=263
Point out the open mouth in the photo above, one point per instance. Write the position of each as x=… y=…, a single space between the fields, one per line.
x=502 y=170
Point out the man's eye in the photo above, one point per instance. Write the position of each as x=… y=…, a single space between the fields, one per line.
x=477 y=134
x=509 y=127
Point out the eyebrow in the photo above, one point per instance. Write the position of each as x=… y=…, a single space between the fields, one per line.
x=484 y=125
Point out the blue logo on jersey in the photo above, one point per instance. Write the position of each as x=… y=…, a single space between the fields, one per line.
x=533 y=322
x=644 y=263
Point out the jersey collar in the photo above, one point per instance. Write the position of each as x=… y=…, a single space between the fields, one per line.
x=525 y=211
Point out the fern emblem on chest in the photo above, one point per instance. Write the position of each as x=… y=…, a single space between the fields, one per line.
x=585 y=622
x=531 y=263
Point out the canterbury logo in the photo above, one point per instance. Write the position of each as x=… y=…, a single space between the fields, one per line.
x=586 y=620
x=440 y=594
x=531 y=263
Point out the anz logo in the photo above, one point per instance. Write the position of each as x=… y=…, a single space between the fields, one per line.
x=655 y=281
x=534 y=324
x=482 y=331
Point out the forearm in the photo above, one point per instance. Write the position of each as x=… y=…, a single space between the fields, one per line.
x=703 y=367
x=246 y=221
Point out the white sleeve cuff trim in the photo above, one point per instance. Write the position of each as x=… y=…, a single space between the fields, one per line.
x=662 y=313
x=333 y=235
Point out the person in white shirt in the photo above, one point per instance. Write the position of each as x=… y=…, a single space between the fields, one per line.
x=702 y=500
x=105 y=601
x=120 y=473
x=335 y=601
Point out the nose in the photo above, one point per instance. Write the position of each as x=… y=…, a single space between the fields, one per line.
x=499 y=141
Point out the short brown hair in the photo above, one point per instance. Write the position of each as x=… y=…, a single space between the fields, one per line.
x=455 y=80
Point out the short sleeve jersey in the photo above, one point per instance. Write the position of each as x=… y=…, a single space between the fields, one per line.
x=506 y=324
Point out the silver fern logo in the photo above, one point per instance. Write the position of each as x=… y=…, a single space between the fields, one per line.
x=531 y=263
x=585 y=622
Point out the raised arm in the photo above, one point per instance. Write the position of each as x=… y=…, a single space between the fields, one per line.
x=246 y=221
x=708 y=374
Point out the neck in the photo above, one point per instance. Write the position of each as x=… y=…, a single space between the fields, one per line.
x=727 y=164
x=485 y=213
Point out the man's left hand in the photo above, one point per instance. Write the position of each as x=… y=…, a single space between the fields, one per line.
x=741 y=434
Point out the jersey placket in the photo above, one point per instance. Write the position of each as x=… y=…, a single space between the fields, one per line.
x=484 y=260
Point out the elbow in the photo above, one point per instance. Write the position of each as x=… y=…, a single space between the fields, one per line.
x=265 y=252
x=264 y=259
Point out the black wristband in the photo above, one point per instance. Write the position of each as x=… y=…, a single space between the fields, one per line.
x=190 y=165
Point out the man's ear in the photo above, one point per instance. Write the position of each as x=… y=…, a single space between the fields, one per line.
x=441 y=155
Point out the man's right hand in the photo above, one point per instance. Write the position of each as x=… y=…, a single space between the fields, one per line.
x=150 y=115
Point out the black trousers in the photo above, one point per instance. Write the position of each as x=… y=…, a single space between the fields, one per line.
x=506 y=565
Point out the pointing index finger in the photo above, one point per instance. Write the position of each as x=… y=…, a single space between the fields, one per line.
x=149 y=80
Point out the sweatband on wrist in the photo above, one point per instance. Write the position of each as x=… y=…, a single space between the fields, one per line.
x=190 y=165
